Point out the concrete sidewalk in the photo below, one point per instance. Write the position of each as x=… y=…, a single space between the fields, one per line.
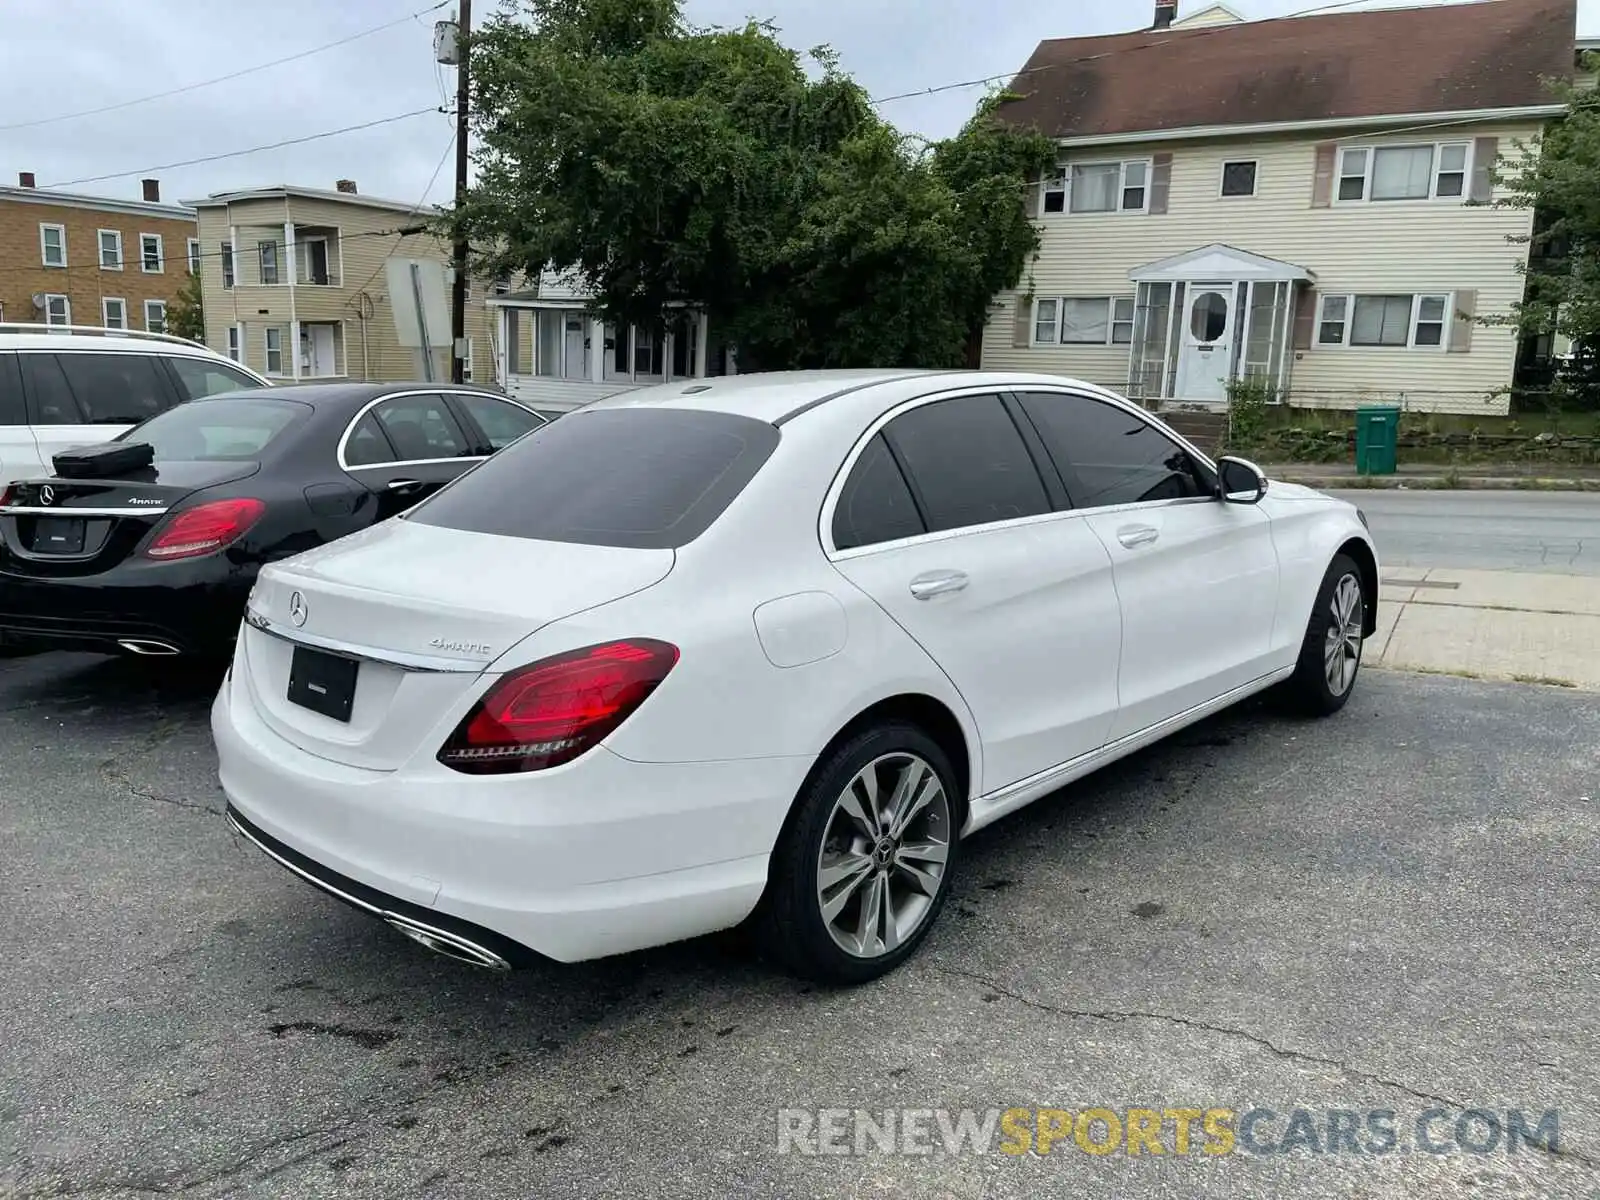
x=1504 y=477
x=1506 y=625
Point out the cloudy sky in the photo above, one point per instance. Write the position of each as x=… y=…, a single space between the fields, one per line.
x=61 y=57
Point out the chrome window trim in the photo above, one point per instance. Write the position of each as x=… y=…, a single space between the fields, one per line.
x=17 y=510
x=389 y=658
x=344 y=438
x=831 y=497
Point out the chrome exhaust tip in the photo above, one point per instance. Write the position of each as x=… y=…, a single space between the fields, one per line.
x=147 y=647
x=449 y=945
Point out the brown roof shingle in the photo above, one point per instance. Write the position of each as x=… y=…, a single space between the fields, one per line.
x=1443 y=58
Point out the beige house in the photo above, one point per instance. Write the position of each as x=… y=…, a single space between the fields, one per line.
x=296 y=285
x=1306 y=201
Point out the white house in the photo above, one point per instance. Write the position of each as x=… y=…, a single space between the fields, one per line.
x=1306 y=201
x=555 y=354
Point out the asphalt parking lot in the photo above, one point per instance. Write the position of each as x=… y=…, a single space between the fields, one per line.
x=1395 y=910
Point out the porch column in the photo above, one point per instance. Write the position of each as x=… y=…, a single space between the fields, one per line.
x=597 y=347
x=699 y=369
x=290 y=265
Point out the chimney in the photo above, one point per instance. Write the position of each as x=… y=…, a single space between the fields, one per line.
x=347 y=186
x=152 y=190
x=25 y=179
x=1166 y=13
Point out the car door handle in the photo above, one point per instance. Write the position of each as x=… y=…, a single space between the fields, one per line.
x=404 y=485
x=1137 y=535
x=926 y=587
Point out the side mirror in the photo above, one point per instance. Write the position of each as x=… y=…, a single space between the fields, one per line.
x=1240 y=481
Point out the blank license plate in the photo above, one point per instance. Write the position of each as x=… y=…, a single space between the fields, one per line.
x=324 y=683
x=58 y=535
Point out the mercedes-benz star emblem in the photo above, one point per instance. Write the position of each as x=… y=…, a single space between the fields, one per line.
x=297 y=609
x=47 y=494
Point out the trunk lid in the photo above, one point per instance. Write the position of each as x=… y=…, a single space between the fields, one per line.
x=62 y=527
x=424 y=611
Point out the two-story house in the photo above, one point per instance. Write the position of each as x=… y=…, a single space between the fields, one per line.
x=71 y=259
x=295 y=284
x=1307 y=201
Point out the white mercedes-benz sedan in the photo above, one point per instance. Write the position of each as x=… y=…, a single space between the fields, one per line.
x=766 y=648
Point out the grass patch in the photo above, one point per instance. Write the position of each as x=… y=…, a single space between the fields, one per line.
x=1545 y=680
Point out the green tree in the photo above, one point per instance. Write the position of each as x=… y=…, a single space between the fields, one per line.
x=666 y=164
x=186 y=315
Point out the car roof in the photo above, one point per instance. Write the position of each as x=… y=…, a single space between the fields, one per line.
x=353 y=395
x=780 y=396
x=72 y=337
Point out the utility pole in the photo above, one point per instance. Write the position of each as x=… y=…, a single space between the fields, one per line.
x=458 y=290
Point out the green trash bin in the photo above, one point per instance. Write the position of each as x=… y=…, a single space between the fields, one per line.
x=1377 y=440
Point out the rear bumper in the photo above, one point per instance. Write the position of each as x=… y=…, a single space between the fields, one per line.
x=194 y=608
x=600 y=857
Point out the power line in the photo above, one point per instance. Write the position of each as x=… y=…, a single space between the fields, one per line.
x=450 y=145
x=190 y=162
x=205 y=83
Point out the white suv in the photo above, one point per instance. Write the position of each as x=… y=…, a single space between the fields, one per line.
x=68 y=385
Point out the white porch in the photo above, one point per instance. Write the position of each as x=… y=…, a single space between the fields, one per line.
x=555 y=354
x=1208 y=316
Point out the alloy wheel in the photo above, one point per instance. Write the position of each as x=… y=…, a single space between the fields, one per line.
x=884 y=854
x=1342 y=649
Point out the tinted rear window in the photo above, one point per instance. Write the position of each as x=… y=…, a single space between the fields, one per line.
x=645 y=478
x=236 y=429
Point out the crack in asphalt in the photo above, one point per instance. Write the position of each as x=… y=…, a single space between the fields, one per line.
x=1116 y=1016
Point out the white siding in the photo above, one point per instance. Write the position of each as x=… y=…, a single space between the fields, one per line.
x=1215 y=14
x=1411 y=246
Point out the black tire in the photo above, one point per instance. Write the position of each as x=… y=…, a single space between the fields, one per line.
x=790 y=927
x=1309 y=690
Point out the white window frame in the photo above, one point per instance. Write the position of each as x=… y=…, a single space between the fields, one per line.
x=261 y=262
x=229 y=265
x=44 y=248
x=270 y=350
x=151 y=305
x=235 y=343
x=100 y=249
x=1413 y=321
x=66 y=308
x=161 y=254
x=1372 y=148
x=105 y=312
x=1222 y=178
x=194 y=256
x=1111 y=302
x=1061 y=183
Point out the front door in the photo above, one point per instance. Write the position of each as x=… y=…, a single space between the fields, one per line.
x=316 y=344
x=1205 y=356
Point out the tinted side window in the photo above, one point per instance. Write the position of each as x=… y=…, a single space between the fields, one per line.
x=422 y=427
x=875 y=504
x=116 y=389
x=50 y=400
x=968 y=463
x=1111 y=456
x=647 y=478
x=502 y=423
x=200 y=377
x=368 y=446
x=12 y=409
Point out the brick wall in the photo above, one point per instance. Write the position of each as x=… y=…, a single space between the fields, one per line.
x=82 y=280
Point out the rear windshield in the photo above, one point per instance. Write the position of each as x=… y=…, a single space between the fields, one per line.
x=233 y=428
x=644 y=478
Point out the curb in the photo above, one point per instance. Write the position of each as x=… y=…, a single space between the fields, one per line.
x=1463 y=483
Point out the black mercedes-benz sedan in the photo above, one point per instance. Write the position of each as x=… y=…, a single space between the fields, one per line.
x=159 y=559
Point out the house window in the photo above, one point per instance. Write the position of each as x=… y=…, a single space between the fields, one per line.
x=274 y=344
x=53 y=245
x=57 y=310
x=155 y=316
x=227 y=264
x=1384 y=320
x=1100 y=188
x=1426 y=172
x=194 y=256
x=1084 y=321
x=1239 y=178
x=151 y=260
x=269 y=261
x=114 y=313
x=111 y=249
x=235 y=342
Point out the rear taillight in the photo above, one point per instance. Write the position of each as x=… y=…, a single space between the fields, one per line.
x=550 y=712
x=8 y=494
x=205 y=529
